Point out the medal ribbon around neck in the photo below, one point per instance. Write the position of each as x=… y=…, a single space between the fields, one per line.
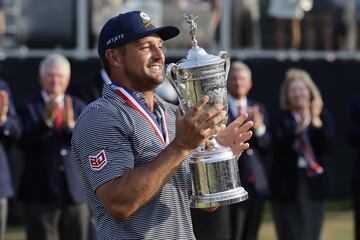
x=136 y=104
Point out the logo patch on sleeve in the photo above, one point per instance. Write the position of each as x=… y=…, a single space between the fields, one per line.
x=98 y=162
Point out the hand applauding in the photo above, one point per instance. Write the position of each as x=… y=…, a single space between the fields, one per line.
x=69 y=120
x=4 y=106
x=67 y=112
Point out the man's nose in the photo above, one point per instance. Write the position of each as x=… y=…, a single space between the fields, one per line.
x=158 y=53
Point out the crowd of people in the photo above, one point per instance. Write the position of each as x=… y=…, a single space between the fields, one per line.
x=121 y=162
x=259 y=24
x=254 y=24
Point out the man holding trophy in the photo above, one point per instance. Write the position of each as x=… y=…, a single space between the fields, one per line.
x=133 y=148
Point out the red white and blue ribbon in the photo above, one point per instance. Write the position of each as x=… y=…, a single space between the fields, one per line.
x=135 y=103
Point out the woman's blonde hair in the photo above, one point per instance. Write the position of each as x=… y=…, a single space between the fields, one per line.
x=297 y=74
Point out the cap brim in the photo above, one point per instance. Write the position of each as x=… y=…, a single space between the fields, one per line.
x=166 y=33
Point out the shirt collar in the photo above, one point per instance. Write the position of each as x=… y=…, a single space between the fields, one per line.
x=59 y=99
x=234 y=103
x=105 y=77
x=108 y=91
x=238 y=102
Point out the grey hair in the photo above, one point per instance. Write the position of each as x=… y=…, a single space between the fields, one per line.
x=240 y=66
x=297 y=74
x=52 y=60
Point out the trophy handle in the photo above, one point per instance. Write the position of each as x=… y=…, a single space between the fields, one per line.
x=172 y=71
x=225 y=55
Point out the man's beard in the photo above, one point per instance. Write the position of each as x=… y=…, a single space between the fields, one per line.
x=141 y=82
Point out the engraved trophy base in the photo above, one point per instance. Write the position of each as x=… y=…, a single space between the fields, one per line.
x=219 y=199
x=215 y=177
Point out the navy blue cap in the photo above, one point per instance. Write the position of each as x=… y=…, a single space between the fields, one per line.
x=129 y=27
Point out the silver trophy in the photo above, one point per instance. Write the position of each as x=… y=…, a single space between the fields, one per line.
x=214 y=168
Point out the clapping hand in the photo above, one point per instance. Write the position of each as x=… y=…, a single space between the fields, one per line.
x=256 y=116
x=4 y=106
x=49 y=111
x=316 y=108
x=68 y=113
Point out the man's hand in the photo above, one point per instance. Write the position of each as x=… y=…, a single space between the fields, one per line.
x=4 y=106
x=69 y=113
x=49 y=111
x=256 y=116
x=236 y=135
x=197 y=125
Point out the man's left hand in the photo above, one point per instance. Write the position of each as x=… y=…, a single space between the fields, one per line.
x=236 y=134
x=69 y=113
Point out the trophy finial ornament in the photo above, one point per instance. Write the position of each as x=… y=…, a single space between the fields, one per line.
x=193 y=27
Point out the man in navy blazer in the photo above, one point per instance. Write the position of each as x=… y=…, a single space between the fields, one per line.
x=51 y=187
x=10 y=129
x=246 y=216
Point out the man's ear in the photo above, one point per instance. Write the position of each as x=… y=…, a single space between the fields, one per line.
x=114 y=57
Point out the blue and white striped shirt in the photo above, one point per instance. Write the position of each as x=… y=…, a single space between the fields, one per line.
x=112 y=127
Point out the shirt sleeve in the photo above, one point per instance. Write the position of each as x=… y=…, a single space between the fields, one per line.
x=102 y=146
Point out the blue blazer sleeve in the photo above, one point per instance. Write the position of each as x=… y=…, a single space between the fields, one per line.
x=10 y=131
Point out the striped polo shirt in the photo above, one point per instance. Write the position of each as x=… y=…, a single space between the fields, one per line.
x=110 y=138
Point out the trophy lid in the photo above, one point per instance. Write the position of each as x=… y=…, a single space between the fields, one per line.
x=197 y=56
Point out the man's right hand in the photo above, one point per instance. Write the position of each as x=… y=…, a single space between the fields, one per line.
x=198 y=124
x=49 y=111
x=4 y=106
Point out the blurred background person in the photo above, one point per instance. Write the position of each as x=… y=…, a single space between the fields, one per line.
x=245 y=24
x=213 y=29
x=50 y=187
x=319 y=26
x=288 y=15
x=354 y=140
x=344 y=24
x=2 y=23
x=357 y=7
x=303 y=135
x=10 y=129
x=246 y=216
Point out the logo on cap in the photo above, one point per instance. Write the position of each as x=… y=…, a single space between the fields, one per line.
x=115 y=39
x=146 y=20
